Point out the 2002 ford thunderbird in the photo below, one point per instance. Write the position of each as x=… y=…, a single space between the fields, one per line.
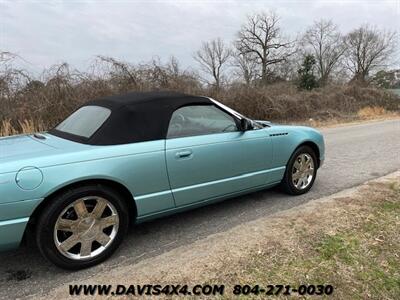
x=136 y=157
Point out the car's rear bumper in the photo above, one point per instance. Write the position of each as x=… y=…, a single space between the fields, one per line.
x=11 y=233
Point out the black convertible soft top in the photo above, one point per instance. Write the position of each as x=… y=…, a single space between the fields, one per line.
x=135 y=117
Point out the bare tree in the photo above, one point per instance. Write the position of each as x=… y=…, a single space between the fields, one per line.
x=213 y=57
x=246 y=67
x=325 y=42
x=368 y=48
x=261 y=36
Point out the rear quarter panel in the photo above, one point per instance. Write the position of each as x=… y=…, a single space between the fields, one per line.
x=140 y=167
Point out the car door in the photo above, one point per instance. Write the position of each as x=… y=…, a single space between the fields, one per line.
x=208 y=157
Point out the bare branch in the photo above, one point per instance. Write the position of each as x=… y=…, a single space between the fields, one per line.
x=261 y=38
x=212 y=57
x=368 y=49
x=325 y=42
x=246 y=67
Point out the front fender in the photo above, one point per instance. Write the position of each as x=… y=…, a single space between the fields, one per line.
x=286 y=139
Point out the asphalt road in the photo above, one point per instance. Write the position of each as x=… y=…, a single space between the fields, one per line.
x=354 y=154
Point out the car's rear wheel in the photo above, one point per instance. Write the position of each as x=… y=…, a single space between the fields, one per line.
x=82 y=227
x=301 y=171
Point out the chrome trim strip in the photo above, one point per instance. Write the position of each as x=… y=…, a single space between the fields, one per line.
x=153 y=195
x=226 y=179
x=14 y=221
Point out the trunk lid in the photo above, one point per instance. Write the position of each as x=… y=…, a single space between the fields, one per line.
x=32 y=150
x=21 y=146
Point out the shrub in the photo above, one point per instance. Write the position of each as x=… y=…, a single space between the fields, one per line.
x=32 y=105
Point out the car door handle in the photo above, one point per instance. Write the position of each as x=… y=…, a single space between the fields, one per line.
x=183 y=154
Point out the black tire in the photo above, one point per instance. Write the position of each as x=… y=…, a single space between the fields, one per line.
x=47 y=221
x=287 y=182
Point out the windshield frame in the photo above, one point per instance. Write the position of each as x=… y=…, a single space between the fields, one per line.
x=237 y=114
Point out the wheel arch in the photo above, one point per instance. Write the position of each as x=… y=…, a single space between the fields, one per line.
x=119 y=187
x=314 y=147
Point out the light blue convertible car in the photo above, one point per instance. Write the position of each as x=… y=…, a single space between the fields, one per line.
x=130 y=158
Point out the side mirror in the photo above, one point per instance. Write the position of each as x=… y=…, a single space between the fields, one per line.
x=245 y=124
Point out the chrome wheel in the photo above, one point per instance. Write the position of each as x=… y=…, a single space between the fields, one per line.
x=86 y=228
x=303 y=171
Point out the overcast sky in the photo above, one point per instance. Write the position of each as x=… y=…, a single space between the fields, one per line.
x=44 y=33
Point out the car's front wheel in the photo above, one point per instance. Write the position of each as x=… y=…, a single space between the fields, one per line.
x=82 y=227
x=301 y=171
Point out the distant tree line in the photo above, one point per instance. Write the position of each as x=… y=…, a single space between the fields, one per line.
x=262 y=53
x=262 y=73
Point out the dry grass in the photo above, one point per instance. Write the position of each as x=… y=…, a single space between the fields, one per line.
x=23 y=126
x=284 y=102
x=60 y=90
x=370 y=112
x=30 y=126
x=346 y=120
x=353 y=245
x=6 y=128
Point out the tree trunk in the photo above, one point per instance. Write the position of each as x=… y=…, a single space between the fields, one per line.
x=264 y=75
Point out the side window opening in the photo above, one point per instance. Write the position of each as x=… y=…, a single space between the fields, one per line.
x=200 y=120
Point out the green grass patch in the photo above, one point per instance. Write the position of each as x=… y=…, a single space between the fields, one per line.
x=338 y=246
